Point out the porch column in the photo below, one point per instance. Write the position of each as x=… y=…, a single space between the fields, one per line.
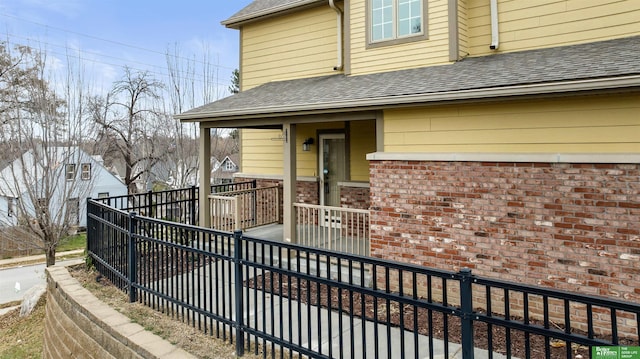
x=289 y=182
x=204 y=170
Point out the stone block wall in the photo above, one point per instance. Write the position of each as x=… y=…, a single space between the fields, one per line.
x=78 y=325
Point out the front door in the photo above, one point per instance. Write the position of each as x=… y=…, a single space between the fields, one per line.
x=333 y=168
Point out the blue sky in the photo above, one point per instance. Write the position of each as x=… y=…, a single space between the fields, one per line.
x=112 y=33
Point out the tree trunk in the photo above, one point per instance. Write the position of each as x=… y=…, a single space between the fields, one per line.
x=50 y=254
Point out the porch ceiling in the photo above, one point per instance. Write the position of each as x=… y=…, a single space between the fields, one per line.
x=599 y=66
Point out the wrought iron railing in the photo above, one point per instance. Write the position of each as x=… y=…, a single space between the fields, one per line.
x=177 y=205
x=282 y=298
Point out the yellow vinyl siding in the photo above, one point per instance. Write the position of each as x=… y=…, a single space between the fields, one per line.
x=598 y=124
x=362 y=141
x=526 y=25
x=463 y=28
x=262 y=152
x=302 y=44
x=432 y=51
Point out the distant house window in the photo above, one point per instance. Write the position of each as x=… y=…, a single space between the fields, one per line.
x=229 y=166
x=103 y=195
x=85 y=171
x=395 y=19
x=70 y=170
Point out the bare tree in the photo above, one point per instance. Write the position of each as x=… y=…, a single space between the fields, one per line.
x=191 y=83
x=41 y=189
x=126 y=119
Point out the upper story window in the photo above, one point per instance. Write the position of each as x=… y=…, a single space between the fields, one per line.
x=70 y=172
x=85 y=173
x=396 y=20
x=229 y=166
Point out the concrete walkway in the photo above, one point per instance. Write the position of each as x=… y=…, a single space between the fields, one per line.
x=39 y=258
x=316 y=328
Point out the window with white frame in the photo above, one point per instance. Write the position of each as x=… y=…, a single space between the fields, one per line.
x=70 y=171
x=395 y=19
x=103 y=195
x=85 y=171
x=229 y=166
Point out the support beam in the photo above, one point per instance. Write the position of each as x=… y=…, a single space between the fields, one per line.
x=204 y=171
x=289 y=182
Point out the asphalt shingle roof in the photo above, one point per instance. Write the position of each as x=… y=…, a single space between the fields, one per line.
x=264 y=7
x=597 y=60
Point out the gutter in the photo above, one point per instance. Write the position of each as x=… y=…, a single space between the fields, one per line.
x=340 y=64
x=495 y=32
x=424 y=98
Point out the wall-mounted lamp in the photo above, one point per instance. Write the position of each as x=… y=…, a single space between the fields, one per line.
x=308 y=142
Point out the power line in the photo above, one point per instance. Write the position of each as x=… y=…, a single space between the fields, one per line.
x=106 y=40
x=93 y=60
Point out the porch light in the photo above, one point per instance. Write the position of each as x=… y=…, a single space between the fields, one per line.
x=305 y=145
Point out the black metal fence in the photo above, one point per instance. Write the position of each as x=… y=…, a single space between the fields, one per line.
x=282 y=299
x=177 y=205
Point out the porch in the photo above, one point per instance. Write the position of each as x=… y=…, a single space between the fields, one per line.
x=257 y=212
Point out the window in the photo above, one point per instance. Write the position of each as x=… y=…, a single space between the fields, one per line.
x=70 y=171
x=85 y=171
x=229 y=166
x=395 y=19
x=103 y=195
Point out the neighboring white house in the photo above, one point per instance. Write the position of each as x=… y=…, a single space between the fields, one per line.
x=65 y=175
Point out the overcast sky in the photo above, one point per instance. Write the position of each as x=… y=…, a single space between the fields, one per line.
x=111 y=33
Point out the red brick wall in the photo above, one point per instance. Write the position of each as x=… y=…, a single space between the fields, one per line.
x=354 y=197
x=567 y=226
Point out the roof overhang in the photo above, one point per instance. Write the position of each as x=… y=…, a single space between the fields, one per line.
x=275 y=115
x=234 y=22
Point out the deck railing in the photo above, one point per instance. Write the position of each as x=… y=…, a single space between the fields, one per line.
x=177 y=205
x=333 y=228
x=244 y=209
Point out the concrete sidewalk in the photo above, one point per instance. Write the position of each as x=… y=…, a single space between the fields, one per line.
x=36 y=259
x=312 y=327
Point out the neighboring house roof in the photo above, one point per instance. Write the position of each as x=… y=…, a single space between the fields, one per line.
x=12 y=179
x=612 y=64
x=260 y=9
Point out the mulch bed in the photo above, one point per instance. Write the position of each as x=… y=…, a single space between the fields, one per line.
x=435 y=324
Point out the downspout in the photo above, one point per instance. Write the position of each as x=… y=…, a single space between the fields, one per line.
x=340 y=64
x=495 y=34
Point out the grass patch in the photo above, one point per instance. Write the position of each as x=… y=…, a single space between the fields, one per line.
x=22 y=337
x=77 y=241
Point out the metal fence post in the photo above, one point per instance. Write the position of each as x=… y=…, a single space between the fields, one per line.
x=131 y=256
x=237 y=260
x=194 y=200
x=466 y=306
x=150 y=204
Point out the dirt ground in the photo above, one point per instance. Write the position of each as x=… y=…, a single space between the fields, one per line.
x=435 y=324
